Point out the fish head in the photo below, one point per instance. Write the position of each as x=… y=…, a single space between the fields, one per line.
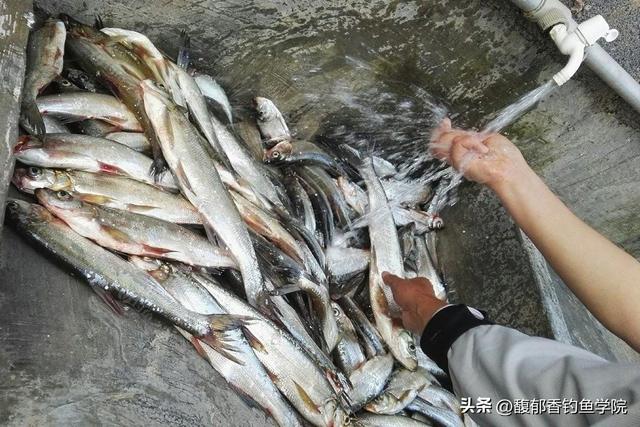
x=59 y=202
x=24 y=213
x=406 y=349
x=265 y=109
x=31 y=178
x=76 y=28
x=278 y=152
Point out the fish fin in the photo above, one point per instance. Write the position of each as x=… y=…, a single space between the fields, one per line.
x=226 y=322
x=219 y=344
x=110 y=169
x=95 y=199
x=306 y=399
x=247 y=399
x=98 y=24
x=156 y=251
x=140 y=208
x=182 y=177
x=184 y=50
x=198 y=346
x=115 y=234
x=111 y=301
x=159 y=165
x=272 y=376
x=253 y=341
x=32 y=118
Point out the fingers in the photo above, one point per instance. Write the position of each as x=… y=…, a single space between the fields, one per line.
x=407 y=289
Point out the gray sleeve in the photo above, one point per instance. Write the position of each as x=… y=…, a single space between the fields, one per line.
x=501 y=363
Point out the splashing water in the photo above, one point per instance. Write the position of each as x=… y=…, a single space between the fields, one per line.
x=447 y=191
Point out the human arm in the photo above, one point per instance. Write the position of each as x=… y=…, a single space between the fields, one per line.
x=604 y=277
x=490 y=361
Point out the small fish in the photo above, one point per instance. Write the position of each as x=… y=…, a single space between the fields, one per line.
x=246 y=374
x=343 y=264
x=440 y=416
x=369 y=380
x=44 y=63
x=89 y=154
x=369 y=335
x=134 y=234
x=109 y=191
x=285 y=153
x=400 y=341
x=373 y=420
x=200 y=182
x=348 y=352
x=108 y=272
x=291 y=369
x=403 y=387
x=250 y=134
x=270 y=120
x=76 y=106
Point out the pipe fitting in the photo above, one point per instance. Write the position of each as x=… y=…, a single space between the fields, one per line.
x=573 y=43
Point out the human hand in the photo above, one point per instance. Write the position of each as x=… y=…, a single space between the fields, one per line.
x=416 y=299
x=484 y=158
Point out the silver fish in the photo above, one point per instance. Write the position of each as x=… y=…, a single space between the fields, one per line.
x=270 y=120
x=248 y=377
x=244 y=164
x=213 y=91
x=195 y=170
x=374 y=420
x=250 y=134
x=108 y=272
x=355 y=196
x=132 y=233
x=427 y=270
x=77 y=106
x=440 y=416
x=135 y=140
x=89 y=154
x=369 y=380
x=403 y=387
x=348 y=353
x=110 y=191
x=369 y=335
x=53 y=125
x=382 y=233
x=295 y=374
x=344 y=263
x=44 y=63
x=440 y=397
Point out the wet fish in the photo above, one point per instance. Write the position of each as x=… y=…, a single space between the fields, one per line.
x=89 y=154
x=212 y=91
x=355 y=196
x=440 y=397
x=403 y=387
x=383 y=168
x=369 y=335
x=248 y=378
x=427 y=270
x=438 y=415
x=295 y=374
x=382 y=233
x=82 y=80
x=89 y=48
x=284 y=154
x=94 y=127
x=45 y=53
x=195 y=171
x=373 y=420
x=322 y=182
x=110 y=191
x=348 y=353
x=270 y=120
x=244 y=164
x=134 y=234
x=369 y=380
x=345 y=263
x=108 y=272
x=406 y=192
x=300 y=202
x=135 y=140
x=400 y=341
x=77 y=106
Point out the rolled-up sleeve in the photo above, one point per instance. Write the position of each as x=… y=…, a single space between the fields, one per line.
x=497 y=363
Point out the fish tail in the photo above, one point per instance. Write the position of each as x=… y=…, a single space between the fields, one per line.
x=32 y=119
x=219 y=343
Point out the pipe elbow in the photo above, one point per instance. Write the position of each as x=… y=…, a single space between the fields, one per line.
x=575 y=60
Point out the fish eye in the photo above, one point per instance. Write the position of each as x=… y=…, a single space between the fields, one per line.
x=63 y=195
x=84 y=77
x=336 y=312
x=65 y=83
x=34 y=172
x=412 y=347
x=162 y=86
x=275 y=155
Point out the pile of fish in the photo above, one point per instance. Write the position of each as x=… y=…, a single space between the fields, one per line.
x=264 y=251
